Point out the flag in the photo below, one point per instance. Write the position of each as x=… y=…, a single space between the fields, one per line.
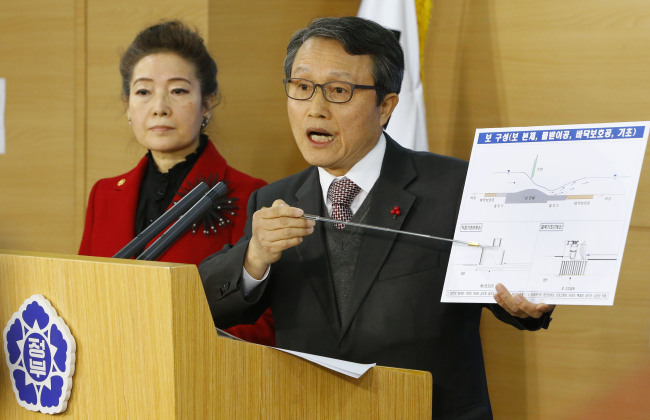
x=408 y=124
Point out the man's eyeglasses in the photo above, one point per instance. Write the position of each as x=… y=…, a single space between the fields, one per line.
x=336 y=92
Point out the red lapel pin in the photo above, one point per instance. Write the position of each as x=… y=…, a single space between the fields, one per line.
x=395 y=211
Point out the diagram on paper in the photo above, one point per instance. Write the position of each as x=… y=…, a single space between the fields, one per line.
x=551 y=214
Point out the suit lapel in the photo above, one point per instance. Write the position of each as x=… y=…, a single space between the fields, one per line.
x=389 y=191
x=313 y=251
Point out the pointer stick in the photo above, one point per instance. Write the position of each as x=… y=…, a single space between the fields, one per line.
x=365 y=226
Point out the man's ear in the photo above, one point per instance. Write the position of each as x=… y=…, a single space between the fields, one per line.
x=387 y=106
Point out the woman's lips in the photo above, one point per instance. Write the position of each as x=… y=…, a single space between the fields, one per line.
x=161 y=128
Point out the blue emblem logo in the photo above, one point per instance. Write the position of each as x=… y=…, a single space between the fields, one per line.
x=40 y=353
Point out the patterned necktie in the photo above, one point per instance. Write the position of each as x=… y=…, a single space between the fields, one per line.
x=341 y=193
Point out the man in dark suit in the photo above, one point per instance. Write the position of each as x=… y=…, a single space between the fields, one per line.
x=341 y=291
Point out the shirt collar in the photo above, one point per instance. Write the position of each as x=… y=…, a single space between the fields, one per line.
x=189 y=161
x=364 y=173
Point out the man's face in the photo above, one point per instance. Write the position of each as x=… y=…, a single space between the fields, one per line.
x=331 y=135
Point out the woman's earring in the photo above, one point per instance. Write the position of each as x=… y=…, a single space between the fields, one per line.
x=204 y=122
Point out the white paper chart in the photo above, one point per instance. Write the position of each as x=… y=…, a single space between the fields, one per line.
x=551 y=208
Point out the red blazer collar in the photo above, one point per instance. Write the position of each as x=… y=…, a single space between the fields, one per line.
x=209 y=164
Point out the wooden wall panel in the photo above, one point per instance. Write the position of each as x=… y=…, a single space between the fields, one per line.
x=38 y=208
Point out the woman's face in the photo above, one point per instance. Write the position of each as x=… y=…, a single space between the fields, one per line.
x=165 y=107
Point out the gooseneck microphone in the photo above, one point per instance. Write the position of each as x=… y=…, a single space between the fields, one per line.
x=183 y=223
x=138 y=243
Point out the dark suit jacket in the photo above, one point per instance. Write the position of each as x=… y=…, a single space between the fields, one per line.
x=110 y=222
x=395 y=317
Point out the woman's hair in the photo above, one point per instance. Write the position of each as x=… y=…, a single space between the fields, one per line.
x=173 y=37
x=358 y=36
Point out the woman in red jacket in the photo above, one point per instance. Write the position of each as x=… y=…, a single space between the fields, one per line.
x=169 y=87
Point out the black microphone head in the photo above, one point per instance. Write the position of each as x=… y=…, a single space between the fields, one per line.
x=217 y=191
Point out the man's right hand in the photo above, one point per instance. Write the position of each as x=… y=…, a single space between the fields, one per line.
x=275 y=229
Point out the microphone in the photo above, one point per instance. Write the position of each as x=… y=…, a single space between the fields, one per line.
x=138 y=243
x=183 y=223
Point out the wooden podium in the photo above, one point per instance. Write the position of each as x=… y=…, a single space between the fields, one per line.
x=147 y=349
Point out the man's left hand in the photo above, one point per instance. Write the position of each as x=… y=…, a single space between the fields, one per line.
x=518 y=305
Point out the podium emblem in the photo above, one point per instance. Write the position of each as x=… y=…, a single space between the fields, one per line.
x=40 y=353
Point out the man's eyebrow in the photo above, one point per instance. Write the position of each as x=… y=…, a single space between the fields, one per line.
x=333 y=73
x=341 y=73
x=300 y=68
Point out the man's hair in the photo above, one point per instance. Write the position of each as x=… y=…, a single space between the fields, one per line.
x=358 y=36
x=173 y=37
